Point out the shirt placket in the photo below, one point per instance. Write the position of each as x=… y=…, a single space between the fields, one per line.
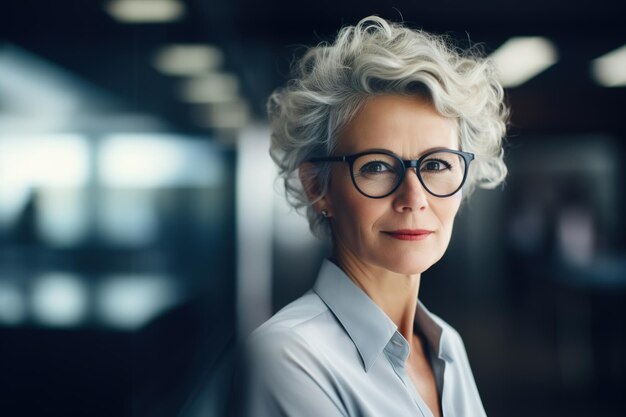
x=397 y=351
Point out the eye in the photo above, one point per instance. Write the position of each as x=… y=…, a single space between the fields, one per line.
x=375 y=167
x=435 y=165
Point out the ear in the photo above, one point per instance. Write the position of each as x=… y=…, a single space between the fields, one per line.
x=311 y=186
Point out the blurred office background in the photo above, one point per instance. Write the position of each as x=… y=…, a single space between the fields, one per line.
x=142 y=231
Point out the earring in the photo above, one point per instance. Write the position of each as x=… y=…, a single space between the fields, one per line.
x=325 y=213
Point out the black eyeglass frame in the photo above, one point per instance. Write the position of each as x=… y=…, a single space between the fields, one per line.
x=406 y=164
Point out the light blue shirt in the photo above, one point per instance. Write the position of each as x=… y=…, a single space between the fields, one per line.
x=333 y=352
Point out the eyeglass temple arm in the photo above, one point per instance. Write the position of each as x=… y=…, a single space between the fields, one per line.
x=328 y=159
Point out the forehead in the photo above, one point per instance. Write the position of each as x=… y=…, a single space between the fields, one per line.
x=406 y=125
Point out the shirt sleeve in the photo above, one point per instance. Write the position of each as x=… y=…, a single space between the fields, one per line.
x=286 y=378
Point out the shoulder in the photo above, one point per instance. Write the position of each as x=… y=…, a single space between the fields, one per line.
x=294 y=329
x=299 y=320
x=293 y=316
x=286 y=371
x=292 y=348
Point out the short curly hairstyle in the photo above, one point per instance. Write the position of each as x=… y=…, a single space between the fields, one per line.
x=331 y=82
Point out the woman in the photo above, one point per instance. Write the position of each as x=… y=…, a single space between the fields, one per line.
x=375 y=136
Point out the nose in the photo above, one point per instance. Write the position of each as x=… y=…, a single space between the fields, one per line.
x=411 y=194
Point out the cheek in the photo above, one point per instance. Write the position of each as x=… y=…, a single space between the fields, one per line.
x=342 y=205
x=354 y=214
x=446 y=212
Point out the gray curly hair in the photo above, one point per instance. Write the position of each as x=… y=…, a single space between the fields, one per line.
x=331 y=83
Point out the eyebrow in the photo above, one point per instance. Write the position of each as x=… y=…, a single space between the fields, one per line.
x=435 y=148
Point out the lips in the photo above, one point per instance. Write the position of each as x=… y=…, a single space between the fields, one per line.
x=409 y=234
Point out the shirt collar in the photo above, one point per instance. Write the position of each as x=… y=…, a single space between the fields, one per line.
x=433 y=329
x=366 y=324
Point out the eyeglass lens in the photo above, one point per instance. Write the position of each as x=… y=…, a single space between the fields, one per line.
x=377 y=175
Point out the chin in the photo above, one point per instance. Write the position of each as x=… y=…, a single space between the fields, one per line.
x=417 y=270
x=408 y=265
x=410 y=259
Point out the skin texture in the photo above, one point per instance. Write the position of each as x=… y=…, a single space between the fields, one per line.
x=387 y=269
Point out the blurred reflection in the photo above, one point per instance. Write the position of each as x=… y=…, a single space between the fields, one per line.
x=151 y=161
x=566 y=265
x=576 y=235
x=33 y=87
x=564 y=214
x=130 y=301
x=62 y=216
x=127 y=196
x=12 y=304
x=43 y=160
x=59 y=299
x=103 y=236
x=128 y=217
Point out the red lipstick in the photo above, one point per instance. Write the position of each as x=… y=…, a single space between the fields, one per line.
x=409 y=234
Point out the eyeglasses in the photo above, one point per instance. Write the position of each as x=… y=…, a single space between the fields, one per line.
x=378 y=173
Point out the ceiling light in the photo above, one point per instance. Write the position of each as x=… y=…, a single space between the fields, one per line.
x=610 y=69
x=188 y=59
x=233 y=115
x=210 y=88
x=145 y=11
x=224 y=116
x=520 y=59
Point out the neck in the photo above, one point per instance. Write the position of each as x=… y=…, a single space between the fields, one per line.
x=396 y=294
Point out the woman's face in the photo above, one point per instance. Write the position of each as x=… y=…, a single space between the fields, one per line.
x=363 y=227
